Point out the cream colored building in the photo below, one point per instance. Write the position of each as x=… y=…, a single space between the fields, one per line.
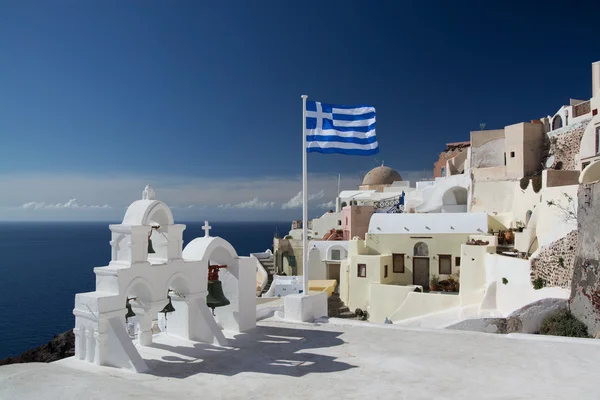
x=406 y=250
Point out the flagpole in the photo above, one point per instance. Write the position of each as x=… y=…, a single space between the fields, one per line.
x=304 y=201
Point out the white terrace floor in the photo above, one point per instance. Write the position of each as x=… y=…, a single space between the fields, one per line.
x=330 y=361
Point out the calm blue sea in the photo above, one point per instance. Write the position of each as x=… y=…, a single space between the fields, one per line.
x=43 y=265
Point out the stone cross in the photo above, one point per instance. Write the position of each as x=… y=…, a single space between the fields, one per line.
x=148 y=193
x=206 y=229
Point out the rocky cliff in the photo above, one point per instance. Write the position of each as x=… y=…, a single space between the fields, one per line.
x=585 y=288
x=60 y=347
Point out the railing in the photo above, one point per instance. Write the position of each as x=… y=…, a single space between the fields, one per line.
x=581 y=109
x=392 y=205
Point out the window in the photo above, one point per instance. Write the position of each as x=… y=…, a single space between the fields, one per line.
x=512 y=154
x=457 y=261
x=385 y=271
x=335 y=254
x=421 y=250
x=504 y=158
x=339 y=222
x=597 y=139
x=445 y=264
x=398 y=263
x=362 y=270
x=443 y=171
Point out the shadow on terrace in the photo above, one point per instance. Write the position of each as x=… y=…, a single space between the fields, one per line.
x=269 y=350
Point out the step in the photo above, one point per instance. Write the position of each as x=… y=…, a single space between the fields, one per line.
x=347 y=314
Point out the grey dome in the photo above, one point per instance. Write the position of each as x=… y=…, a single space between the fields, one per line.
x=381 y=176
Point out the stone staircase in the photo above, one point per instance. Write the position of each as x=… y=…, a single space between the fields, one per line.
x=269 y=265
x=337 y=309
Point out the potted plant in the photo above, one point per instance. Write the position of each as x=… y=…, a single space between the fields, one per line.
x=509 y=236
x=444 y=285
x=433 y=283
x=520 y=226
x=452 y=284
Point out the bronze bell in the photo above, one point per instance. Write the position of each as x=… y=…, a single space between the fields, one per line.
x=168 y=308
x=130 y=312
x=216 y=297
x=150 y=248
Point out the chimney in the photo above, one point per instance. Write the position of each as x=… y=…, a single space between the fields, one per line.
x=596 y=79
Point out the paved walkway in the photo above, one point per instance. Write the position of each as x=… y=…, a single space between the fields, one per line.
x=329 y=361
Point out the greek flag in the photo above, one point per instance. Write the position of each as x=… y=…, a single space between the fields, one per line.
x=340 y=129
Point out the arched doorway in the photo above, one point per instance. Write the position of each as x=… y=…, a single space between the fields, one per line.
x=557 y=122
x=528 y=217
x=455 y=199
x=421 y=265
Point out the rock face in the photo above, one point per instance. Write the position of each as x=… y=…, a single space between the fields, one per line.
x=585 y=289
x=554 y=263
x=564 y=144
x=529 y=319
x=62 y=346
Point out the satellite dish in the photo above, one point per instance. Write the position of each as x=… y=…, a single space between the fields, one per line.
x=550 y=161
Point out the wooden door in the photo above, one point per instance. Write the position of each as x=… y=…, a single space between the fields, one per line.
x=333 y=272
x=421 y=271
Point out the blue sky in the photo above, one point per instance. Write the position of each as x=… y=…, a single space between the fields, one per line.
x=202 y=99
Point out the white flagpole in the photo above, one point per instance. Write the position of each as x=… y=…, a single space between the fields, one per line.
x=304 y=201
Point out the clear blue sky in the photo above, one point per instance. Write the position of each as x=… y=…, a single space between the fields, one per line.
x=201 y=92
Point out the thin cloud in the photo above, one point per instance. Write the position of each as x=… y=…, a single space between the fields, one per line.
x=191 y=197
x=71 y=204
x=296 y=201
x=255 y=204
x=331 y=204
x=186 y=207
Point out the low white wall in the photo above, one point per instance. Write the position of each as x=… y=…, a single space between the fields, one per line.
x=284 y=285
x=419 y=304
x=301 y=308
x=512 y=297
x=518 y=291
x=516 y=270
x=385 y=299
x=523 y=240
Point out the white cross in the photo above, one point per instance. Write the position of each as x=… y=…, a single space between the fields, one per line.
x=319 y=115
x=206 y=229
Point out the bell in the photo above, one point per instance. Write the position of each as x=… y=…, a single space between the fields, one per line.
x=150 y=248
x=168 y=308
x=216 y=297
x=130 y=312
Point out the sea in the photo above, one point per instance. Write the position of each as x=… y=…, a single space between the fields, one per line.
x=44 y=264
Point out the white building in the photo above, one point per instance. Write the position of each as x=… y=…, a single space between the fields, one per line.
x=148 y=270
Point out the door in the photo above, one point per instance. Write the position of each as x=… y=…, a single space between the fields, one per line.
x=333 y=272
x=421 y=272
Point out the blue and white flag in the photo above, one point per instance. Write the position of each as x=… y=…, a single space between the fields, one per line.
x=340 y=129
